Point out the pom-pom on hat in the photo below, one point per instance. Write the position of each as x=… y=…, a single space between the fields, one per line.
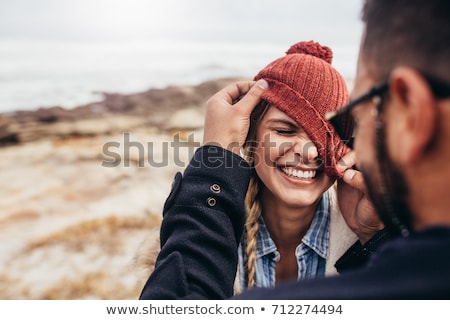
x=305 y=86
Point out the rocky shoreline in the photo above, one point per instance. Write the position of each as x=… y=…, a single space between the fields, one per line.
x=73 y=223
x=160 y=109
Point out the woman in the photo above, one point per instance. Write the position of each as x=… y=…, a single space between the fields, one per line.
x=294 y=228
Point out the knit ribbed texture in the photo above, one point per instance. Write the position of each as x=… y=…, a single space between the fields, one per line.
x=305 y=86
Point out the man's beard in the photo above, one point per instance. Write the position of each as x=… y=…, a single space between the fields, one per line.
x=389 y=193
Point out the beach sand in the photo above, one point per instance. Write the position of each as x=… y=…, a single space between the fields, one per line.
x=83 y=191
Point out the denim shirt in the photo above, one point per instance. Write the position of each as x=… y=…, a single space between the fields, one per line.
x=311 y=253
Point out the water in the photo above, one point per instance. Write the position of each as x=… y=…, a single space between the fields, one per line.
x=69 y=73
x=42 y=65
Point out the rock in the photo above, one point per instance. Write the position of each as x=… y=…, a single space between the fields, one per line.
x=186 y=119
x=7 y=132
x=164 y=109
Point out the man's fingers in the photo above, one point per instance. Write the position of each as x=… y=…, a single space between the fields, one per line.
x=355 y=179
x=347 y=161
x=232 y=92
x=227 y=116
x=252 y=97
x=352 y=177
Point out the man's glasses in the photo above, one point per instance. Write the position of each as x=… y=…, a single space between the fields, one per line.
x=340 y=117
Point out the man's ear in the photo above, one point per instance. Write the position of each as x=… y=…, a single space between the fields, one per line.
x=418 y=112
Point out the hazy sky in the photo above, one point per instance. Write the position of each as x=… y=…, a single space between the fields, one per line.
x=226 y=20
x=57 y=52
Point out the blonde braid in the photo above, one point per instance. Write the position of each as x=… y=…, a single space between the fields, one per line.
x=253 y=208
x=252 y=202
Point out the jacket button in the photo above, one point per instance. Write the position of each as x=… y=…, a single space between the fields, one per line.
x=215 y=188
x=211 y=202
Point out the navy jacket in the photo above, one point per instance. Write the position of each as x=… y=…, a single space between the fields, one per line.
x=203 y=222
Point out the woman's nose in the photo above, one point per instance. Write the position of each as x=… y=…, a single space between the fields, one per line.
x=306 y=149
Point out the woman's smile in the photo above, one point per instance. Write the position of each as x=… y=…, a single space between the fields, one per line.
x=300 y=177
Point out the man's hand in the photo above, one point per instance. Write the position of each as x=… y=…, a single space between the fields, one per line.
x=227 y=118
x=357 y=210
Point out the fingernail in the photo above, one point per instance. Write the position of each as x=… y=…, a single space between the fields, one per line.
x=262 y=84
x=349 y=174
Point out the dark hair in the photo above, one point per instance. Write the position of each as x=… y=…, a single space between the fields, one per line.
x=414 y=33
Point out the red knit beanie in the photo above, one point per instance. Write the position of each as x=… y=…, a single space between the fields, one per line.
x=305 y=86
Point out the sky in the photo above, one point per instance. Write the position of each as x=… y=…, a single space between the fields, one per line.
x=251 y=20
x=59 y=52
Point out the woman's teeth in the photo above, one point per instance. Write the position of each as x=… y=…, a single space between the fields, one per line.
x=299 y=174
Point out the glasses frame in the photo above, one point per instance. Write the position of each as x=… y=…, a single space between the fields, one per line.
x=440 y=89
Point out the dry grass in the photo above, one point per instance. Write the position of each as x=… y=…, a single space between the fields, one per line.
x=116 y=254
x=94 y=285
x=104 y=231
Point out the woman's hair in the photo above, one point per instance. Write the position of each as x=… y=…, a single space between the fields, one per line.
x=252 y=200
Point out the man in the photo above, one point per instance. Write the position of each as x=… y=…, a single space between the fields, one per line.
x=401 y=107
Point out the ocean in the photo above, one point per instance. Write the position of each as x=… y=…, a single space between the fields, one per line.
x=60 y=63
